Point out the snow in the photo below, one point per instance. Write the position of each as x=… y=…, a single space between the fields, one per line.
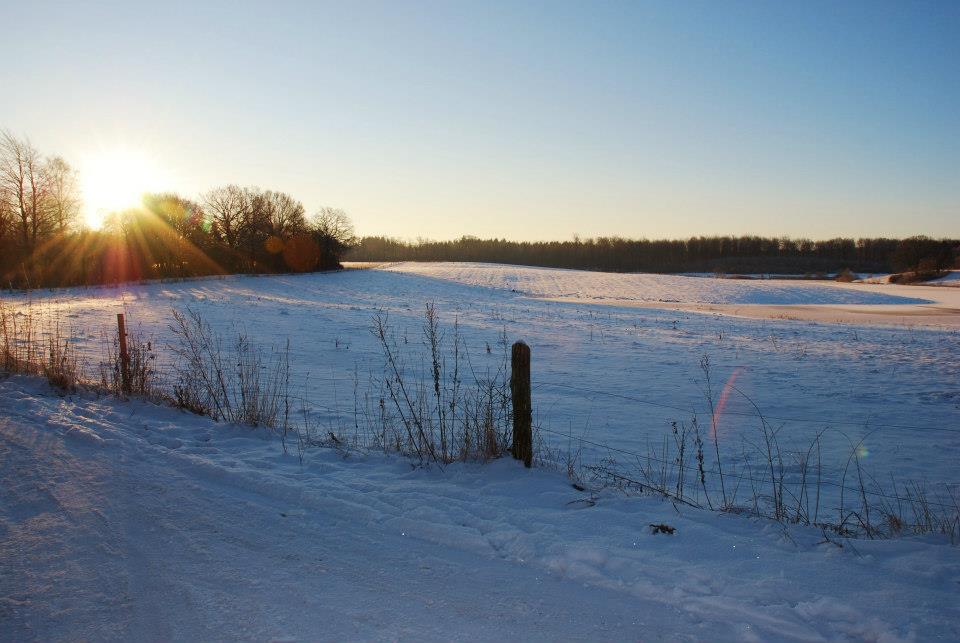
x=951 y=279
x=769 y=298
x=883 y=278
x=169 y=526
x=438 y=552
x=552 y=283
x=612 y=375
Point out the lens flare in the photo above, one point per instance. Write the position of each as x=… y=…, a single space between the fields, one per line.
x=722 y=403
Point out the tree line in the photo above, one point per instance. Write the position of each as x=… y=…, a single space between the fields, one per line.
x=234 y=229
x=721 y=254
x=230 y=229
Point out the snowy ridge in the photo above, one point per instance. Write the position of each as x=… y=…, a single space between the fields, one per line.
x=165 y=525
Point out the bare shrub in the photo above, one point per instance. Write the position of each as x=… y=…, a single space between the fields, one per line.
x=18 y=332
x=242 y=384
x=866 y=507
x=845 y=276
x=446 y=410
x=708 y=394
x=61 y=367
x=141 y=369
x=32 y=344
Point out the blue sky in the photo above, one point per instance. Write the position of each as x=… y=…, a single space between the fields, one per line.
x=521 y=120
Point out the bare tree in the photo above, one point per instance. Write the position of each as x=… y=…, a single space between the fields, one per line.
x=283 y=215
x=185 y=217
x=334 y=224
x=6 y=216
x=333 y=232
x=24 y=185
x=64 y=197
x=229 y=210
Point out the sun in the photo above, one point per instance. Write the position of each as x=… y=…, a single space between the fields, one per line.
x=116 y=179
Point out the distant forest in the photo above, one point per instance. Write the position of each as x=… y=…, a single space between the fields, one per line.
x=233 y=229
x=748 y=255
x=230 y=229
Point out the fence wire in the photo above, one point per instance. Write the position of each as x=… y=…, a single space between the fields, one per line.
x=167 y=372
x=778 y=418
x=734 y=475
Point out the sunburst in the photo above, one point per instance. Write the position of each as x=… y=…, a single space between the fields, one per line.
x=116 y=179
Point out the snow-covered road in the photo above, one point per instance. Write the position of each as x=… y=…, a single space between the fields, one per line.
x=128 y=521
x=113 y=529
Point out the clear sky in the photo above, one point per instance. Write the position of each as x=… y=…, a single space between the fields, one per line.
x=528 y=120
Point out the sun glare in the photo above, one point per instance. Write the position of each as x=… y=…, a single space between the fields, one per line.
x=115 y=180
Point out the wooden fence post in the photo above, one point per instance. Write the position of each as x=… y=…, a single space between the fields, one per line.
x=124 y=355
x=522 y=406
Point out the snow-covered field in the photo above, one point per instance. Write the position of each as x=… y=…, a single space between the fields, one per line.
x=615 y=374
x=852 y=303
x=552 y=283
x=596 y=369
x=134 y=522
x=951 y=279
